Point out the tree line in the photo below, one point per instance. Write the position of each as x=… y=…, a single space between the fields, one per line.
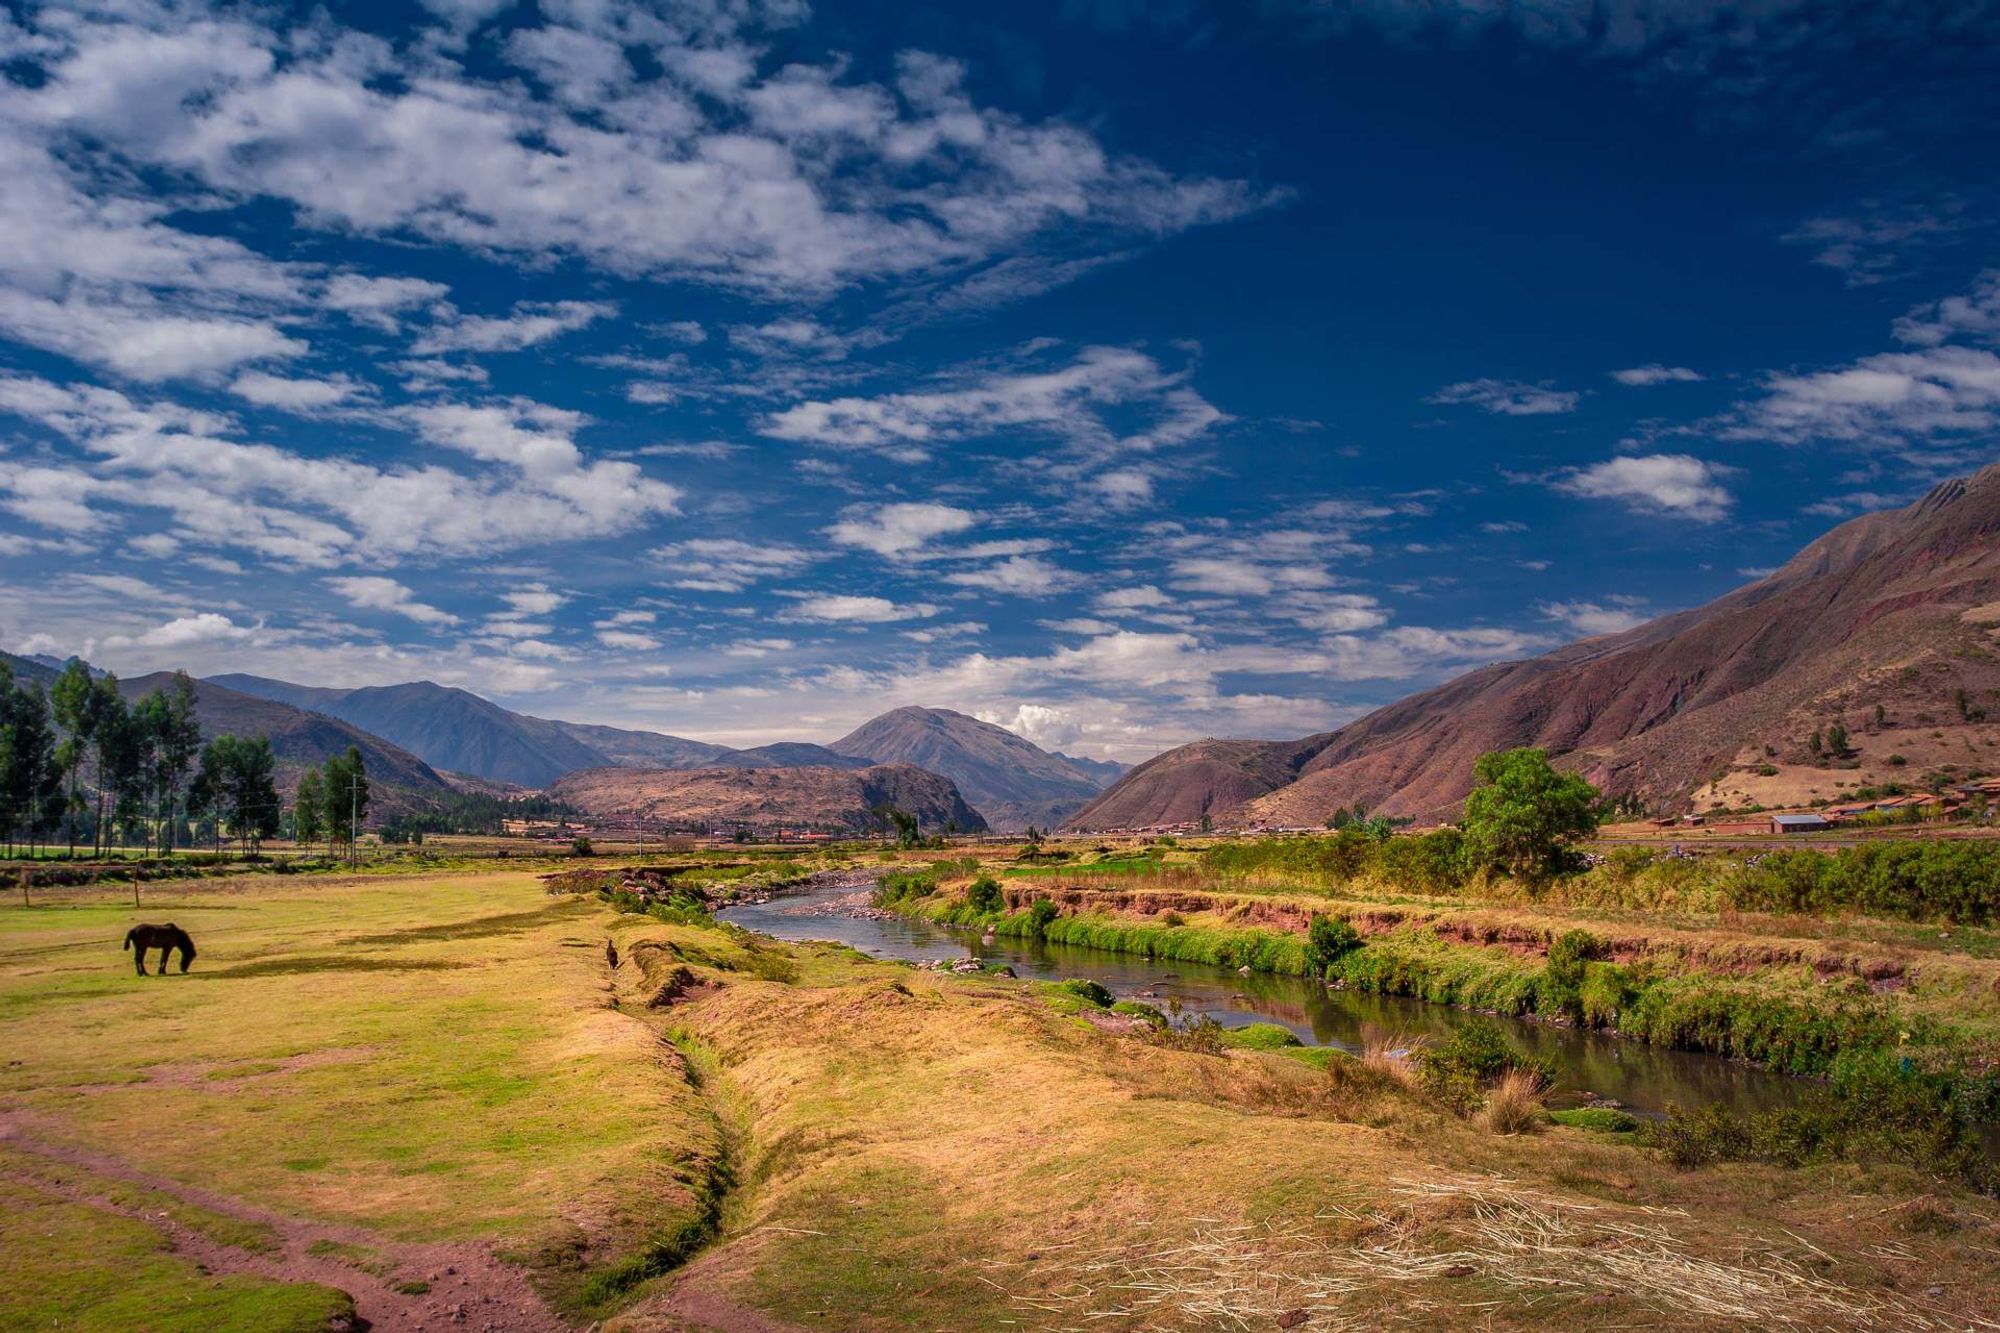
x=77 y=761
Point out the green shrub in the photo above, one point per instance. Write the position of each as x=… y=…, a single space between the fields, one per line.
x=1088 y=991
x=1603 y=1119
x=582 y=847
x=1041 y=914
x=902 y=886
x=1458 y=1071
x=1328 y=940
x=1142 y=1011
x=1915 y=1108
x=1262 y=1037
x=984 y=896
x=1607 y=989
x=1560 y=990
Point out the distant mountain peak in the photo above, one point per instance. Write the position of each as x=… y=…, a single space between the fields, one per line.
x=1008 y=778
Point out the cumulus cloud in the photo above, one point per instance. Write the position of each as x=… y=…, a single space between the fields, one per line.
x=377 y=302
x=1071 y=403
x=700 y=165
x=529 y=324
x=1639 y=377
x=293 y=395
x=1594 y=618
x=727 y=564
x=1512 y=398
x=374 y=593
x=1890 y=398
x=1676 y=484
x=843 y=608
x=1974 y=315
x=894 y=530
x=532 y=483
x=1020 y=576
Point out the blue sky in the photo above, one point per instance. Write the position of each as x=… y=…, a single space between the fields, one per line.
x=1122 y=373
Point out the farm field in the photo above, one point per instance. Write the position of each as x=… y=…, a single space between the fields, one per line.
x=400 y=1098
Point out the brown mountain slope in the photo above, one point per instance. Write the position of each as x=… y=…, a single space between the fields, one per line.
x=1880 y=611
x=842 y=799
x=1012 y=781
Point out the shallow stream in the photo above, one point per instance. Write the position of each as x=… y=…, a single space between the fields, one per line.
x=1593 y=1066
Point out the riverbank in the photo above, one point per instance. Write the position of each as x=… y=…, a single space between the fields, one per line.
x=1879 y=1011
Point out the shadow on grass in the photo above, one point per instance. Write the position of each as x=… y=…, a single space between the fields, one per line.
x=511 y=923
x=332 y=962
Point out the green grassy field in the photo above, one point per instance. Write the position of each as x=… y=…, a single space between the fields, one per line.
x=426 y=1060
x=406 y=1096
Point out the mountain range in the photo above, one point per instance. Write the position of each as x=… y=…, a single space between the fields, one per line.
x=1009 y=781
x=1884 y=627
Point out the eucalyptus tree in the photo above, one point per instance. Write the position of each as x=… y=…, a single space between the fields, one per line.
x=71 y=699
x=309 y=809
x=236 y=782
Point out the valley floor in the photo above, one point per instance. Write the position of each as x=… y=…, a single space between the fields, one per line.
x=429 y=1100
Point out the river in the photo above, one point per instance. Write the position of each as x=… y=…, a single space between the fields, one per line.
x=1593 y=1066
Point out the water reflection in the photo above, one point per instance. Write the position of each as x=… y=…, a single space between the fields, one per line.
x=1645 y=1079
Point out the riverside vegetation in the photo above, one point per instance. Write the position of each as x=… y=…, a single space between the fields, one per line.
x=1872 y=968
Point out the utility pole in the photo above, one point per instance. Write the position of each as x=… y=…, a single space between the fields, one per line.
x=354 y=821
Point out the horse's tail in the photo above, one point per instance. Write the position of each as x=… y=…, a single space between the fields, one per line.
x=128 y=938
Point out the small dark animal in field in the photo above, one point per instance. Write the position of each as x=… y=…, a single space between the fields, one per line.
x=165 y=938
x=611 y=954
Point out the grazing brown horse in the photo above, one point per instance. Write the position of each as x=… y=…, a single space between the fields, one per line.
x=166 y=939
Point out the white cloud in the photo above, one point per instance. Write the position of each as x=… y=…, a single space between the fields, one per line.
x=1639 y=377
x=894 y=530
x=708 y=169
x=186 y=632
x=726 y=564
x=1975 y=315
x=627 y=640
x=1070 y=403
x=1594 y=618
x=530 y=324
x=858 y=610
x=1413 y=649
x=1144 y=597
x=535 y=599
x=1675 y=484
x=374 y=593
x=1512 y=398
x=1050 y=728
x=376 y=302
x=1889 y=398
x=317 y=510
x=293 y=395
x=1021 y=576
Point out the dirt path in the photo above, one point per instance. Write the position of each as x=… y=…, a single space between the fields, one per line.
x=467 y=1287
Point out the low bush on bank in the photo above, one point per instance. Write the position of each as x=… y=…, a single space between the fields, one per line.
x=1458 y=1072
x=1910 y=879
x=1881 y=1106
x=1602 y=1119
x=902 y=886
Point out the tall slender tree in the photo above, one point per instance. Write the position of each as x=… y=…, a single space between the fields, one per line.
x=346 y=797
x=309 y=808
x=172 y=735
x=70 y=699
x=108 y=723
x=29 y=780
